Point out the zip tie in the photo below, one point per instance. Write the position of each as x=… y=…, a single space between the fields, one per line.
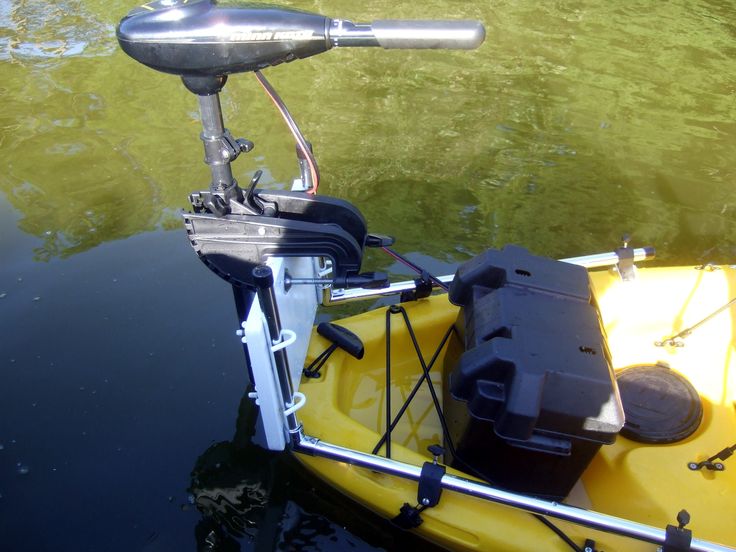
x=286 y=338
x=302 y=400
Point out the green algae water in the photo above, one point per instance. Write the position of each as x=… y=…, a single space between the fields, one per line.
x=568 y=127
x=573 y=124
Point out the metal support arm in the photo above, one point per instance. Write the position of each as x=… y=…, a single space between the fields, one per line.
x=449 y=482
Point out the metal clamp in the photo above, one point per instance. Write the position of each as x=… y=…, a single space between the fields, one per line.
x=677 y=538
x=223 y=148
x=430 y=480
x=625 y=265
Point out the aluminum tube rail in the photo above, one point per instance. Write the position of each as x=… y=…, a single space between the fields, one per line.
x=594 y=520
x=609 y=259
x=334 y=296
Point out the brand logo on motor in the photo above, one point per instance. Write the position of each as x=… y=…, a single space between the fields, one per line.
x=271 y=35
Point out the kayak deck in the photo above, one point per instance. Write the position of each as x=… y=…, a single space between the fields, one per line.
x=647 y=483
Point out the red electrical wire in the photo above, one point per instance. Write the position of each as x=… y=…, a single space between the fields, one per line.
x=294 y=128
x=415 y=268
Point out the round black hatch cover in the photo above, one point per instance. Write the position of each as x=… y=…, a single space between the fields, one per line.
x=660 y=405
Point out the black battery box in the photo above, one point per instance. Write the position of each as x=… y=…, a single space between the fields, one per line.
x=530 y=395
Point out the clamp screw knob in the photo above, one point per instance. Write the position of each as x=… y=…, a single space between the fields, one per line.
x=436 y=451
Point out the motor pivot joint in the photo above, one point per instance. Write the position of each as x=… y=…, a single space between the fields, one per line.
x=222 y=149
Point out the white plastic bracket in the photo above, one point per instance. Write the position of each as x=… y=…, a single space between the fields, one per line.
x=299 y=400
x=286 y=338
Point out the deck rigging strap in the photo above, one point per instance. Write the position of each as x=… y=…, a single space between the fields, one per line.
x=711 y=463
x=677 y=340
x=312 y=371
x=338 y=336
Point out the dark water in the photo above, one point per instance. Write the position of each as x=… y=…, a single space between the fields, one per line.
x=122 y=425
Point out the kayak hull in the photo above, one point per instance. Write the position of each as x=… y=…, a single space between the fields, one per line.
x=645 y=483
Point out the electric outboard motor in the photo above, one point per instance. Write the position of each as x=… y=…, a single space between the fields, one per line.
x=203 y=41
x=209 y=38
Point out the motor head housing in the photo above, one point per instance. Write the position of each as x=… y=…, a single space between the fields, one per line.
x=214 y=38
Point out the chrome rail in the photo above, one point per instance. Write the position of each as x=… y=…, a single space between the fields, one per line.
x=600 y=260
x=602 y=522
x=334 y=296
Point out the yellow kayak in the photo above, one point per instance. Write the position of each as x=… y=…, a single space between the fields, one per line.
x=647 y=483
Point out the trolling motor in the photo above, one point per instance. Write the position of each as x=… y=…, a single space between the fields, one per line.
x=203 y=41
x=202 y=38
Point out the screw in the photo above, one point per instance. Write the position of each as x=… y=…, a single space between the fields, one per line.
x=425 y=501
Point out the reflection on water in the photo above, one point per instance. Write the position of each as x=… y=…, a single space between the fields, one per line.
x=254 y=499
x=31 y=29
x=570 y=126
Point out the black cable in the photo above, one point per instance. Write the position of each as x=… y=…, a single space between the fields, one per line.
x=724 y=454
x=556 y=530
x=394 y=309
x=312 y=371
x=435 y=400
x=416 y=268
x=414 y=391
x=389 y=312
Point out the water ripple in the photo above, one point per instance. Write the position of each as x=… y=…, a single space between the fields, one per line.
x=33 y=30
